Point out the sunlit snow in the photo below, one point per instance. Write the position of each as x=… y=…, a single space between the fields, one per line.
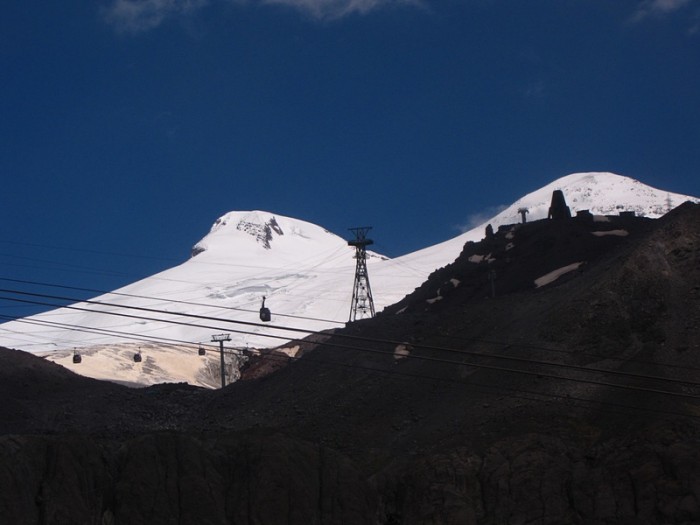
x=554 y=275
x=402 y=351
x=305 y=272
x=615 y=233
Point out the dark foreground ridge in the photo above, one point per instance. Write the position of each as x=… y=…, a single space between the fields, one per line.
x=550 y=375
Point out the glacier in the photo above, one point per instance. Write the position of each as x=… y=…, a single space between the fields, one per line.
x=304 y=271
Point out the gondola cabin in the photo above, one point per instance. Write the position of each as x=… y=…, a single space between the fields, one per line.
x=77 y=358
x=137 y=357
x=201 y=350
x=265 y=314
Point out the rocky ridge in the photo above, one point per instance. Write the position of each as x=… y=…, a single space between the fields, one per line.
x=575 y=401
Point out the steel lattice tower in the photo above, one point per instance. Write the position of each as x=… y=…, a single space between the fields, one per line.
x=362 y=303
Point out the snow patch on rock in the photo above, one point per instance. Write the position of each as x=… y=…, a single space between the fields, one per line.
x=616 y=233
x=402 y=351
x=554 y=275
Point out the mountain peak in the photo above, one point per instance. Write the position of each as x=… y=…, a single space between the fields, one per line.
x=256 y=232
x=305 y=272
x=601 y=193
x=262 y=226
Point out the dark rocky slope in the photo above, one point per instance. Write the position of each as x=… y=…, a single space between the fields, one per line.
x=573 y=402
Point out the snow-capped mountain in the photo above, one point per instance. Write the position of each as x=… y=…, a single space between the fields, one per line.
x=600 y=193
x=304 y=272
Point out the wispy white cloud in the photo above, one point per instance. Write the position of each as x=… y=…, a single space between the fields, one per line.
x=536 y=89
x=480 y=217
x=333 y=9
x=135 y=16
x=657 y=8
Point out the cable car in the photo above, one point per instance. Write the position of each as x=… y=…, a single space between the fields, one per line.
x=77 y=358
x=265 y=315
x=201 y=351
x=137 y=357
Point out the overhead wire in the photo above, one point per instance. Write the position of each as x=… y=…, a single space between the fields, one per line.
x=63 y=267
x=520 y=344
x=157 y=277
x=474 y=384
x=334 y=253
x=476 y=354
x=540 y=394
x=477 y=386
x=86 y=250
x=163 y=300
x=471 y=385
x=104 y=331
x=171 y=321
x=490 y=356
x=356 y=338
x=427 y=358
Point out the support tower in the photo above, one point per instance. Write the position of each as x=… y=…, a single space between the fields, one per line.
x=221 y=338
x=362 y=303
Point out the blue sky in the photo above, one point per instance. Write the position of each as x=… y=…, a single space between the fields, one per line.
x=129 y=126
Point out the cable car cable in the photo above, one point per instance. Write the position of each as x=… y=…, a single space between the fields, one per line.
x=505 y=344
x=446 y=361
x=355 y=338
x=176 y=301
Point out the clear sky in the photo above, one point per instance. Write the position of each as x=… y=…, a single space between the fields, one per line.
x=129 y=126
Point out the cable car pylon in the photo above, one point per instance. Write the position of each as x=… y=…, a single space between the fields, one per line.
x=362 y=305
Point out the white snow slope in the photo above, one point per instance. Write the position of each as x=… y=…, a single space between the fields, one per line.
x=305 y=272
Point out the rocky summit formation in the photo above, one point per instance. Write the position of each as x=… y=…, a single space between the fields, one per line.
x=549 y=375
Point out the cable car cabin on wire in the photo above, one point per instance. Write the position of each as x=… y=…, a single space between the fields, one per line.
x=265 y=314
x=201 y=350
x=77 y=358
x=137 y=357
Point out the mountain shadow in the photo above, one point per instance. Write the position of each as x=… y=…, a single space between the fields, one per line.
x=548 y=375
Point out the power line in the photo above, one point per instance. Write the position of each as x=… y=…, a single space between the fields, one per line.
x=142 y=309
x=474 y=385
x=371 y=340
x=471 y=385
x=175 y=301
x=358 y=338
x=505 y=345
x=333 y=254
x=312 y=359
x=533 y=346
x=85 y=250
x=104 y=331
x=181 y=323
x=419 y=346
x=426 y=358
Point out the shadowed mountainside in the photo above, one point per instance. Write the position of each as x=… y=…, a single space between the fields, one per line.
x=548 y=375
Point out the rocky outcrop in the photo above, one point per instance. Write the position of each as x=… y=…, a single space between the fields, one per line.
x=576 y=402
x=647 y=478
x=539 y=479
x=178 y=479
x=263 y=232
